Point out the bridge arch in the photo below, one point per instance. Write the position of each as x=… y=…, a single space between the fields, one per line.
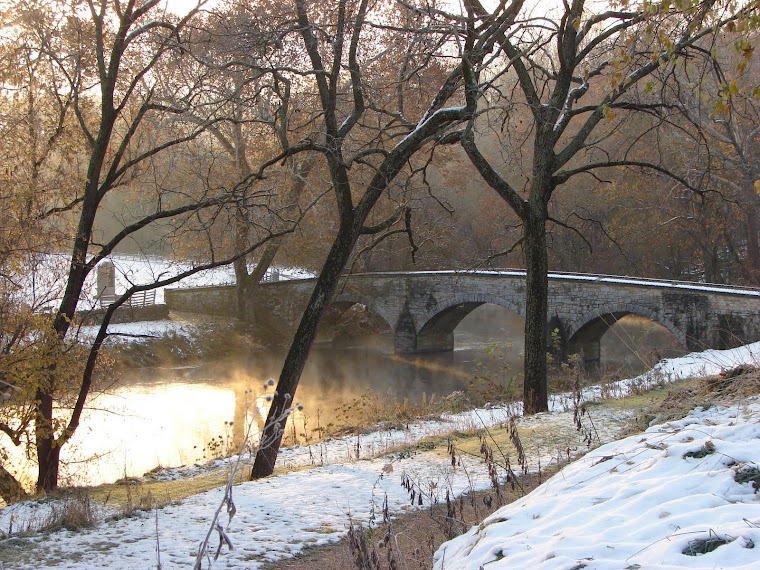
x=438 y=323
x=584 y=334
x=344 y=301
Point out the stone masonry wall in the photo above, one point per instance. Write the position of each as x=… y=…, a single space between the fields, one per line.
x=432 y=303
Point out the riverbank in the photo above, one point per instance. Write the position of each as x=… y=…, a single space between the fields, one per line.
x=412 y=539
x=328 y=485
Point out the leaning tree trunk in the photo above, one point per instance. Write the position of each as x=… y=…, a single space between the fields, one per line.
x=247 y=283
x=10 y=489
x=295 y=360
x=240 y=266
x=535 y=395
x=48 y=446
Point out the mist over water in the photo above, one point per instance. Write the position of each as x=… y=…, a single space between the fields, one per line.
x=183 y=415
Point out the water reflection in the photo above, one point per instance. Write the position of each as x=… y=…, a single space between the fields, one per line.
x=173 y=417
x=152 y=418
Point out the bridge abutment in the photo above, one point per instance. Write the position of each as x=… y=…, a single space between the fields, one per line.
x=436 y=342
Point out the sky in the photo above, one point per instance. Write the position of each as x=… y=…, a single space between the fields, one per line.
x=181 y=7
x=637 y=502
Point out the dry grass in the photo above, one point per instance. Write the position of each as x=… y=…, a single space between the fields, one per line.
x=133 y=494
x=681 y=397
x=73 y=512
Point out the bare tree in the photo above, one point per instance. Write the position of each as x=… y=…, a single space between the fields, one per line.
x=112 y=79
x=718 y=96
x=363 y=131
x=581 y=74
x=232 y=42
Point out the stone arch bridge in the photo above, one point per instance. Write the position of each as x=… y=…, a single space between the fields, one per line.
x=423 y=308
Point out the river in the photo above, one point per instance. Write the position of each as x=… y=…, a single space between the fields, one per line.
x=174 y=416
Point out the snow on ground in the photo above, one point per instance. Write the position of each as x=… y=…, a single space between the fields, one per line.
x=664 y=499
x=45 y=282
x=634 y=503
x=139 y=330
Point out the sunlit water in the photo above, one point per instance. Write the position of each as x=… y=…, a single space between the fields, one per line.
x=172 y=417
x=179 y=416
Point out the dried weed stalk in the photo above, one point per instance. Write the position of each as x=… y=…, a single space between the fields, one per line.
x=587 y=430
x=365 y=555
x=250 y=448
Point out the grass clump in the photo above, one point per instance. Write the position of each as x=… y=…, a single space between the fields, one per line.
x=748 y=474
x=700 y=546
x=63 y=510
x=73 y=513
x=707 y=449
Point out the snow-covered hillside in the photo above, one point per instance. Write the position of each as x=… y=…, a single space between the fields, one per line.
x=44 y=281
x=681 y=495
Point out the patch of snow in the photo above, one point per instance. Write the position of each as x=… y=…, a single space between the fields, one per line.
x=641 y=502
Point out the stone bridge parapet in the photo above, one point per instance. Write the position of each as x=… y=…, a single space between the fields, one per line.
x=423 y=308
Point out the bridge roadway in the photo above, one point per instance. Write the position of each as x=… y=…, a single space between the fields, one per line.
x=423 y=308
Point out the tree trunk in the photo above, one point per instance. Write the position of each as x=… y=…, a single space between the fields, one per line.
x=10 y=489
x=753 y=248
x=295 y=360
x=535 y=396
x=240 y=267
x=247 y=284
x=48 y=448
x=49 y=465
x=265 y=261
x=48 y=452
